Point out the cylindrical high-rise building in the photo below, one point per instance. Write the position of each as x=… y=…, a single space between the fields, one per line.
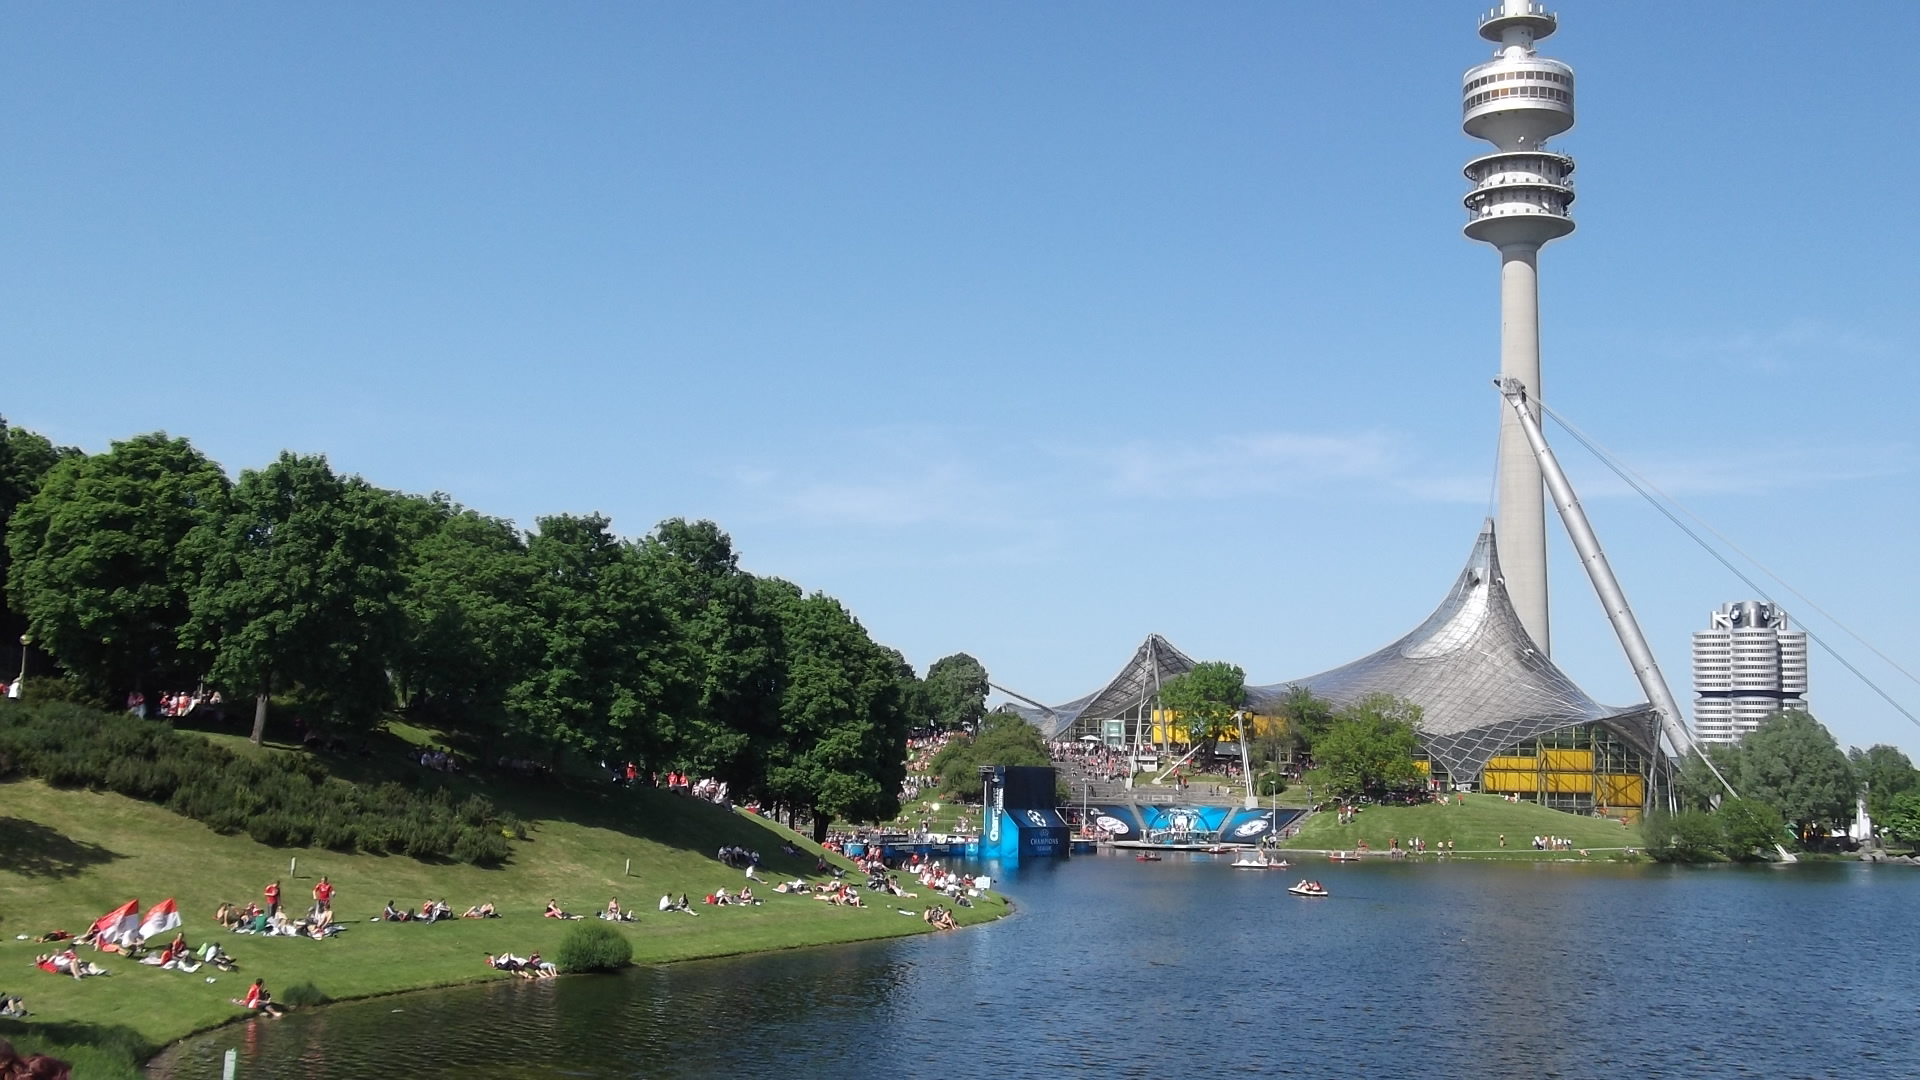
x=1747 y=665
x=1517 y=101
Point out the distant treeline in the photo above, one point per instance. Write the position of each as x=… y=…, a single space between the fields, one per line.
x=147 y=568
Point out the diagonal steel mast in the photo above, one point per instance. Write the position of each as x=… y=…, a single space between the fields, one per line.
x=1640 y=654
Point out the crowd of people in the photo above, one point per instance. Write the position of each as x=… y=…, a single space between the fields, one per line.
x=171 y=705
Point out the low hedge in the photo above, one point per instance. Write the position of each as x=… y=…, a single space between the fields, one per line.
x=285 y=800
x=593 y=946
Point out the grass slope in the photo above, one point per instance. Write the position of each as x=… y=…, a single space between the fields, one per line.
x=67 y=856
x=1474 y=826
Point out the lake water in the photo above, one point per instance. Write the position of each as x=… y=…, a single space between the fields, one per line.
x=1186 y=967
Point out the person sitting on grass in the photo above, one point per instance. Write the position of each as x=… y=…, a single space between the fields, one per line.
x=746 y=896
x=31 y=1066
x=215 y=955
x=541 y=969
x=553 y=911
x=614 y=914
x=258 y=1000
x=13 y=1008
x=394 y=914
x=482 y=911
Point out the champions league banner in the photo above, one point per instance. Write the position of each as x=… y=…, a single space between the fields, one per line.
x=1185 y=824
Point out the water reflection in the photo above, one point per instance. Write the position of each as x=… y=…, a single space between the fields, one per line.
x=1115 y=968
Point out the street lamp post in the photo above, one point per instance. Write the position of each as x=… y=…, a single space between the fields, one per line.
x=19 y=689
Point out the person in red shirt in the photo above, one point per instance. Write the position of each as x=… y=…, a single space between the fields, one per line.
x=323 y=894
x=273 y=899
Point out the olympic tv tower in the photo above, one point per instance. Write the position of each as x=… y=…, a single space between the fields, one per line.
x=1517 y=101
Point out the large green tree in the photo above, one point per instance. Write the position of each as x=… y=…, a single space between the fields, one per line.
x=1749 y=829
x=1792 y=763
x=1902 y=818
x=611 y=675
x=1004 y=738
x=470 y=629
x=101 y=567
x=956 y=692
x=300 y=591
x=26 y=457
x=733 y=644
x=1307 y=716
x=843 y=714
x=1885 y=772
x=1369 y=748
x=1207 y=700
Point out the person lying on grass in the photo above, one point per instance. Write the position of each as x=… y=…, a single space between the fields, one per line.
x=13 y=1008
x=215 y=955
x=52 y=936
x=434 y=910
x=553 y=912
x=481 y=911
x=531 y=968
x=68 y=963
x=614 y=914
x=31 y=1066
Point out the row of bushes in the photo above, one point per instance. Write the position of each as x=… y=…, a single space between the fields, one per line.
x=283 y=800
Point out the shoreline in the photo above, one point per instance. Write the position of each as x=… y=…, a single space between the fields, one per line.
x=1007 y=911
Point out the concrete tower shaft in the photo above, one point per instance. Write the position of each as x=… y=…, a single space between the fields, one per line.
x=1521 y=199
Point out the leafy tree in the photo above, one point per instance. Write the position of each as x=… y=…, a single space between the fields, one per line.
x=100 y=564
x=299 y=590
x=843 y=713
x=470 y=629
x=1688 y=836
x=1004 y=738
x=1749 y=829
x=1206 y=699
x=610 y=674
x=26 y=457
x=1885 y=772
x=733 y=646
x=956 y=692
x=1903 y=816
x=1307 y=716
x=1792 y=763
x=1369 y=747
x=1696 y=787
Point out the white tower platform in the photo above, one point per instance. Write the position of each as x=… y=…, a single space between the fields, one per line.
x=1520 y=198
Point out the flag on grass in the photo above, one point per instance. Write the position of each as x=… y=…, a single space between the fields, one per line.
x=163 y=917
x=119 y=924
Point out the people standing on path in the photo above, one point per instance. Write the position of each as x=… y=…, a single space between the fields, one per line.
x=323 y=895
x=273 y=899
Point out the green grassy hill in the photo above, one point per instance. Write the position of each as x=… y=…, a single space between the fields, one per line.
x=1475 y=826
x=68 y=856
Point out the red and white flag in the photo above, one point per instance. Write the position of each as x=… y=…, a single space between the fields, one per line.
x=119 y=924
x=163 y=917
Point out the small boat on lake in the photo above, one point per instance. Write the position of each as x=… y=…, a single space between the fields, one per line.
x=1253 y=860
x=1147 y=856
x=1308 y=888
x=1344 y=856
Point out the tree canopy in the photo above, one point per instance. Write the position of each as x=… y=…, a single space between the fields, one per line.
x=1791 y=763
x=1206 y=700
x=955 y=692
x=1885 y=772
x=1004 y=738
x=1369 y=747
x=101 y=568
x=146 y=568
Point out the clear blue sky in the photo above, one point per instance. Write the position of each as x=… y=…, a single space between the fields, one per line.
x=1024 y=329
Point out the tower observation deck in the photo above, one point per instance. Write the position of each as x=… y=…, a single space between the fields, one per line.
x=1520 y=200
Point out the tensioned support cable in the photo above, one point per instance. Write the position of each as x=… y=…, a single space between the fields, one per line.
x=1640 y=485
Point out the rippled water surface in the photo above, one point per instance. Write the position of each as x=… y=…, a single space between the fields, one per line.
x=1186 y=967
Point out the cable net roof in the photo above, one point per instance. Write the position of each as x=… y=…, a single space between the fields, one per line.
x=1153 y=663
x=1481 y=684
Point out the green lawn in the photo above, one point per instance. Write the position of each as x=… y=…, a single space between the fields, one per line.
x=1475 y=827
x=68 y=856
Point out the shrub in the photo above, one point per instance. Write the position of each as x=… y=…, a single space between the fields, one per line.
x=302 y=994
x=283 y=800
x=593 y=946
